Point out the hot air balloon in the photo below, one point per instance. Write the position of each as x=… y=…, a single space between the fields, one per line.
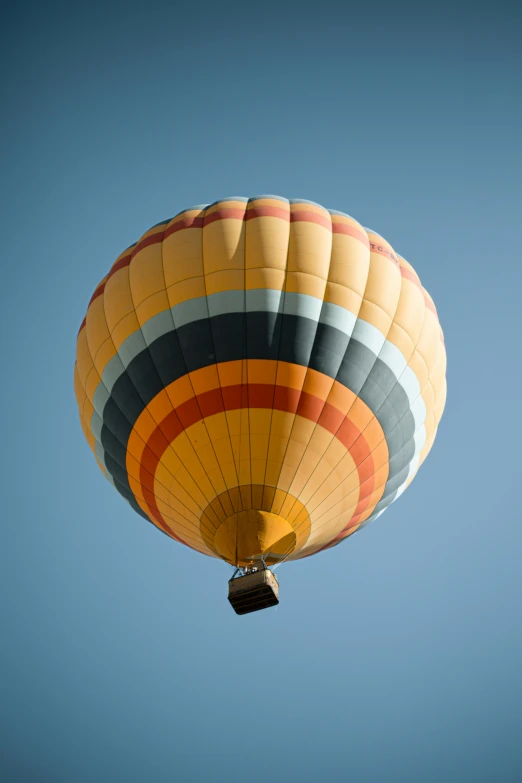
x=260 y=378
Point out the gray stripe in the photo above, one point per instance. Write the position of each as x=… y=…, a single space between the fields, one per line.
x=226 y=302
x=190 y=311
x=157 y=326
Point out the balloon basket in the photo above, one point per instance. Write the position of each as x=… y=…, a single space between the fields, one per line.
x=253 y=591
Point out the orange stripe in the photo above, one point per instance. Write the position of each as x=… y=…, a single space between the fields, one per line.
x=351 y=231
x=254 y=395
x=310 y=217
x=186 y=222
x=257 y=212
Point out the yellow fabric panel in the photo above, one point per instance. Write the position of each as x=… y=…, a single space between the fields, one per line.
x=409 y=315
x=336 y=516
x=176 y=501
x=127 y=326
x=381 y=296
x=97 y=332
x=92 y=382
x=85 y=410
x=298 y=444
x=157 y=303
x=433 y=393
x=428 y=349
x=118 y=299
x=244 y=468
x=320 y=460
x=119 y=307
x=224 y=243
x=309 y=252
x=326 y=533
x=309 y=249
x=376 y=316
x=146 y=273
x=267 y=242
x=198 y=436
x=217 y=429
x=343 y=297
x=183 y=254
x=84 y=362
x=264 y=278
x=193 y=466
x=260 y=420
x=104 y=354
x=350 y=263
x=188 y=490
x=402 y=340
x=86 y=416
x=279 y=435
x=225 y=280
x=342 y=482
x=323 y=507
x=178 y=526
x=429 y=341
x=333 y=467
x=89 y=437
x=193 y=288
x=96 y=291
x=303 y=283
x=438 y=380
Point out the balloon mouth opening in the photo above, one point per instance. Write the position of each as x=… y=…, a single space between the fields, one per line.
x=253 y=537
x=255 y=525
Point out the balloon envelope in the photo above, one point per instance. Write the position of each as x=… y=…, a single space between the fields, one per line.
x=260 y=377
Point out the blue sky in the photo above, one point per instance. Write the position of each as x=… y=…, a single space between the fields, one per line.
x=394 y=657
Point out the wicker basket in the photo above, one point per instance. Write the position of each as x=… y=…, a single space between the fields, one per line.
x=254 y=591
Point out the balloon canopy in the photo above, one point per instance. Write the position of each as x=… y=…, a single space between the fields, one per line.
x=260 y=377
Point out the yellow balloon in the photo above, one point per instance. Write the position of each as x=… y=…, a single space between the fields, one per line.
x=260 y=377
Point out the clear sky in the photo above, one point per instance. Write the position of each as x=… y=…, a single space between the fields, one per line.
x=393 y=657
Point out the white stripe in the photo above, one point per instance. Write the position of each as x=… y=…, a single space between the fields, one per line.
x=337 y=317
x=369 y=336
x=303 y=306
